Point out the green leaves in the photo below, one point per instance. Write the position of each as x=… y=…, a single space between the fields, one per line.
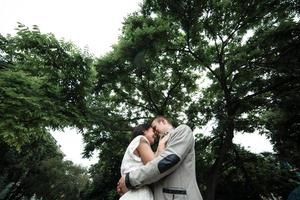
x=243 y=50
x=232 y=62
x=38 y=169
x=44 y=83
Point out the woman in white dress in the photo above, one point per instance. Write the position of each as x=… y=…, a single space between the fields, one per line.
x=137 y=154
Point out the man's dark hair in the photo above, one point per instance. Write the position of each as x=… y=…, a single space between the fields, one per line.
x=160 y=118
x=139 y=130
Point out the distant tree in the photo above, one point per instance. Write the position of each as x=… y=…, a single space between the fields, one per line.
x=245 y=175
x=57 y=179
x=39 y=170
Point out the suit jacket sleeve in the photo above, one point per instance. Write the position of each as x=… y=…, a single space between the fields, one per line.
x=179 y=144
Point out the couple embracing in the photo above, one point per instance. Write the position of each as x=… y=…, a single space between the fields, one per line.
x=170 y=170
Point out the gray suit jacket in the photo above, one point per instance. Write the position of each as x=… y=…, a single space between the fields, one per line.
x=173 y=172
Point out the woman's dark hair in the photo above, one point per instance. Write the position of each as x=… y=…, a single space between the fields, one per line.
x=139 y=130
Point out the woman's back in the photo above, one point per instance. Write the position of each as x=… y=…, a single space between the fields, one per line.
x=130 y=160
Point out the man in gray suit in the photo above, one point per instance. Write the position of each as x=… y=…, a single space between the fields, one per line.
x=173 y=172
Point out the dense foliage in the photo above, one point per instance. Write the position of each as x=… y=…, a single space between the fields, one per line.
x=43 y=85
x=233 y=65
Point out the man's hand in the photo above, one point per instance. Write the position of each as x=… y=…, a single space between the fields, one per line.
x=121 y=188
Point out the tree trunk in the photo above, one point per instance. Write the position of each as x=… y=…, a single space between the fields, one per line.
x=224 y=148
x=252 y=191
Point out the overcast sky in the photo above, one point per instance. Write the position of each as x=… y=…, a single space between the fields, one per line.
x=92 y=24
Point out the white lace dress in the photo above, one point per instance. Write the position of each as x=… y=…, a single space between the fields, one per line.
x=131 y=162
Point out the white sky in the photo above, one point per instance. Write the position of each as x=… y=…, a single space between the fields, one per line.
x=70 y=142
x=95 y=24
x=92 y=23
x=253 y=142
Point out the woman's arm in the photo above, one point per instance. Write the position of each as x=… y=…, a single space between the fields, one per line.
x=144 y=151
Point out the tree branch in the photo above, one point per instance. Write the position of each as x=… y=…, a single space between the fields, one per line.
x=170 y=92
x=148 y=93
x=269 y=88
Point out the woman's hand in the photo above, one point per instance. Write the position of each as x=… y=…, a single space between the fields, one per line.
x=162 y=144
x=121 y=187
x=163 y=139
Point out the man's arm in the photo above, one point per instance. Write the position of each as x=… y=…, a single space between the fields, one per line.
x=178 y=147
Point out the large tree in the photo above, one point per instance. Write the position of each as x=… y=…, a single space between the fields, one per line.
x=44 y=84
x=237 y=47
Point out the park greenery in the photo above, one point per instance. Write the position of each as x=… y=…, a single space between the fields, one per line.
x=232 y=65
